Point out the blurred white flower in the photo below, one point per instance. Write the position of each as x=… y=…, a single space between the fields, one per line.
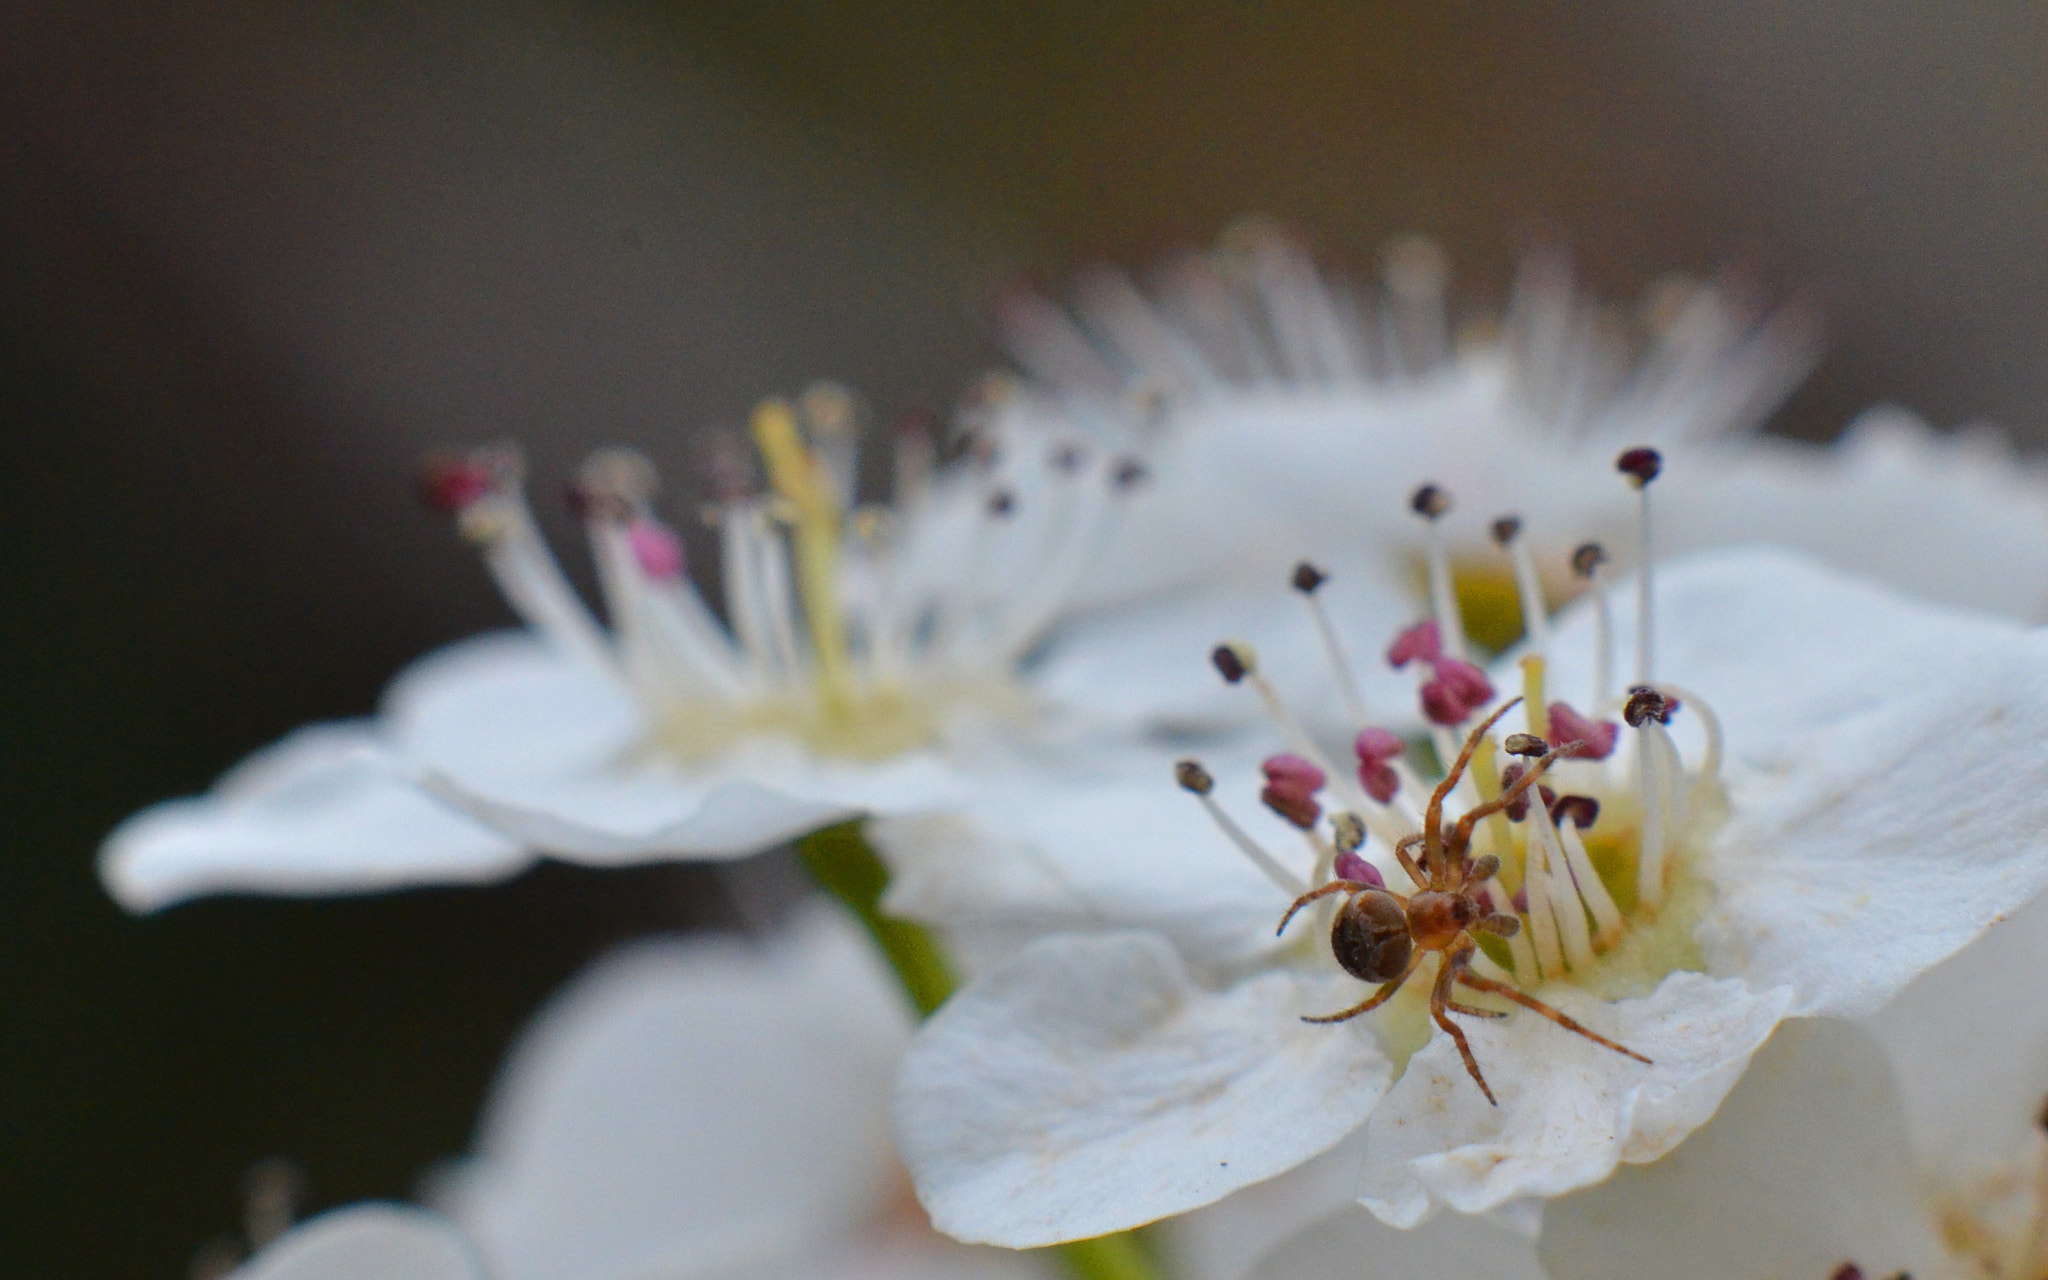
x=1862 y=798
x=1319 y=405
x=872 y=657
x=688 y=1110
x=1915 y=1142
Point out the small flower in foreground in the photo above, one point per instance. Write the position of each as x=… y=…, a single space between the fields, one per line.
x=864 y=652
x=1915 y=1142
x=1321 y=401
x=1856 y=797
x=698 y=1109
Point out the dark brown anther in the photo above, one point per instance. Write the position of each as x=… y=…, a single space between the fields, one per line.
x=1583 y=811
x=1067 y=459
x=1233 y=662
x=1645 y=705
x=1129 y=473
x=1640 y=465
x=2041 y=1116
x=1586 y=561
x=1517 y=808
x=1524 y=744
x=1430 y=502
x=1484 y=868
x=1307 y=578
x=1506 y=530
x=1847 y=1271
x=1293 y=807
x=1001 y=503
x=1193 y=777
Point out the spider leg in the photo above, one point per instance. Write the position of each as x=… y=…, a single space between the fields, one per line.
x=1473 y=1010
x=1401 y=851
x=1335 y=886
x=1376 y=999
x=1461 y=835
x=1433 y=817
x=1558 y=1016
x=1439 y=1010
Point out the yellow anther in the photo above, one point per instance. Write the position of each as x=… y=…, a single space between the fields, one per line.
x=799 y=480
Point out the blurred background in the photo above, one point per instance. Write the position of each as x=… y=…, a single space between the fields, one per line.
x=254 y=259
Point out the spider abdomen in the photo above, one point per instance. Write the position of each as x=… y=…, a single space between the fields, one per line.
x=1370 y=937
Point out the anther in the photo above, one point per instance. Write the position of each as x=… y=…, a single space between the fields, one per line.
x=1067 y=459
x=658 y=551
x=1596 y=738
x=1640 y=465
x=1376 y=750
x=1128 y=474
x=1347 y=831
x=1506 y=529
x=1290 y=790
x=1233 y=661
x=1503 y=925
x=1422 y=641
x=1517 y=808
x=1587 y=559
x=1430 y=502
x=1349 y=866
x=1484 y=868
x=1193 y=777
x=1001 y=503
x=1307 y=578
x=450 y=482
x=1645 y=705
x=1525 y=744
x=1583 y=811
x=1847 y=1271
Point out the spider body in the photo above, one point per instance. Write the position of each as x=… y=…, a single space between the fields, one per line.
x=1379 y=936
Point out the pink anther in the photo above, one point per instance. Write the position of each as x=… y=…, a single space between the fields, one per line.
x=450 y=482
x=1291 y=786
x=1352 y=867
x=1377 y=750
x=658 y=550
x=1422 y=640
x=1598 y=736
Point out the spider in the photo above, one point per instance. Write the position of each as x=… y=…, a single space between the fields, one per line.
x=1380 y=936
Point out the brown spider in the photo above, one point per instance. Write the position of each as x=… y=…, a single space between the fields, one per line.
x=1380 y=936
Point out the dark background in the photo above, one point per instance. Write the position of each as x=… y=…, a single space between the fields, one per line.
x=253 y=260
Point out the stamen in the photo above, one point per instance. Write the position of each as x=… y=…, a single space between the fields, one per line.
x=801 y=481
x=1432 y=503
x=1535 y=612
x=1646 y=712
x=832 y=421
x=1597 y=736
x=1416 y=272
x=1376 y=750
x=1307 y=578
x=493 y=515
x=1290 y=790
x=1641 y=466
x=1591 y=888
x=1563 y=895
x=916 y=458
x=1200 y=783
x=1586 y=562
x=1534 y=710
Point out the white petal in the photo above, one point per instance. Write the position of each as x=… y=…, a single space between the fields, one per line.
x=1883 y=771
x=691 y=1105
x=1150 y=665
x=1570 y=1110
x=313 y=813
x=1935 y=515
x=1224 y=1240
x=1806 y=1167
x=1050 y=854
x=366 y=1242
x=1090 y=1086
x=1351 y=1242
x=1969 y=1041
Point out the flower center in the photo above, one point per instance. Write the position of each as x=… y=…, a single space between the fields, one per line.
x=856 y=631
x=1594 y=861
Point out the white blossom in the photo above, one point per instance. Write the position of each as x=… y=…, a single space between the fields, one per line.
x=687 y=1109
x=1848 y=794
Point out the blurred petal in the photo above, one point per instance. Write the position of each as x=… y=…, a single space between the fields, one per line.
x=313 y=813
x=367 y=1242
x=1805 y=1167
x=1345 y=1244
x=1090 y=1086
x=1570 y=1110
x=1968 y=1040
x=691 y=1105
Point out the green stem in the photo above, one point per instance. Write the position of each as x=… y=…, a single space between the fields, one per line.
x=842 y=862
